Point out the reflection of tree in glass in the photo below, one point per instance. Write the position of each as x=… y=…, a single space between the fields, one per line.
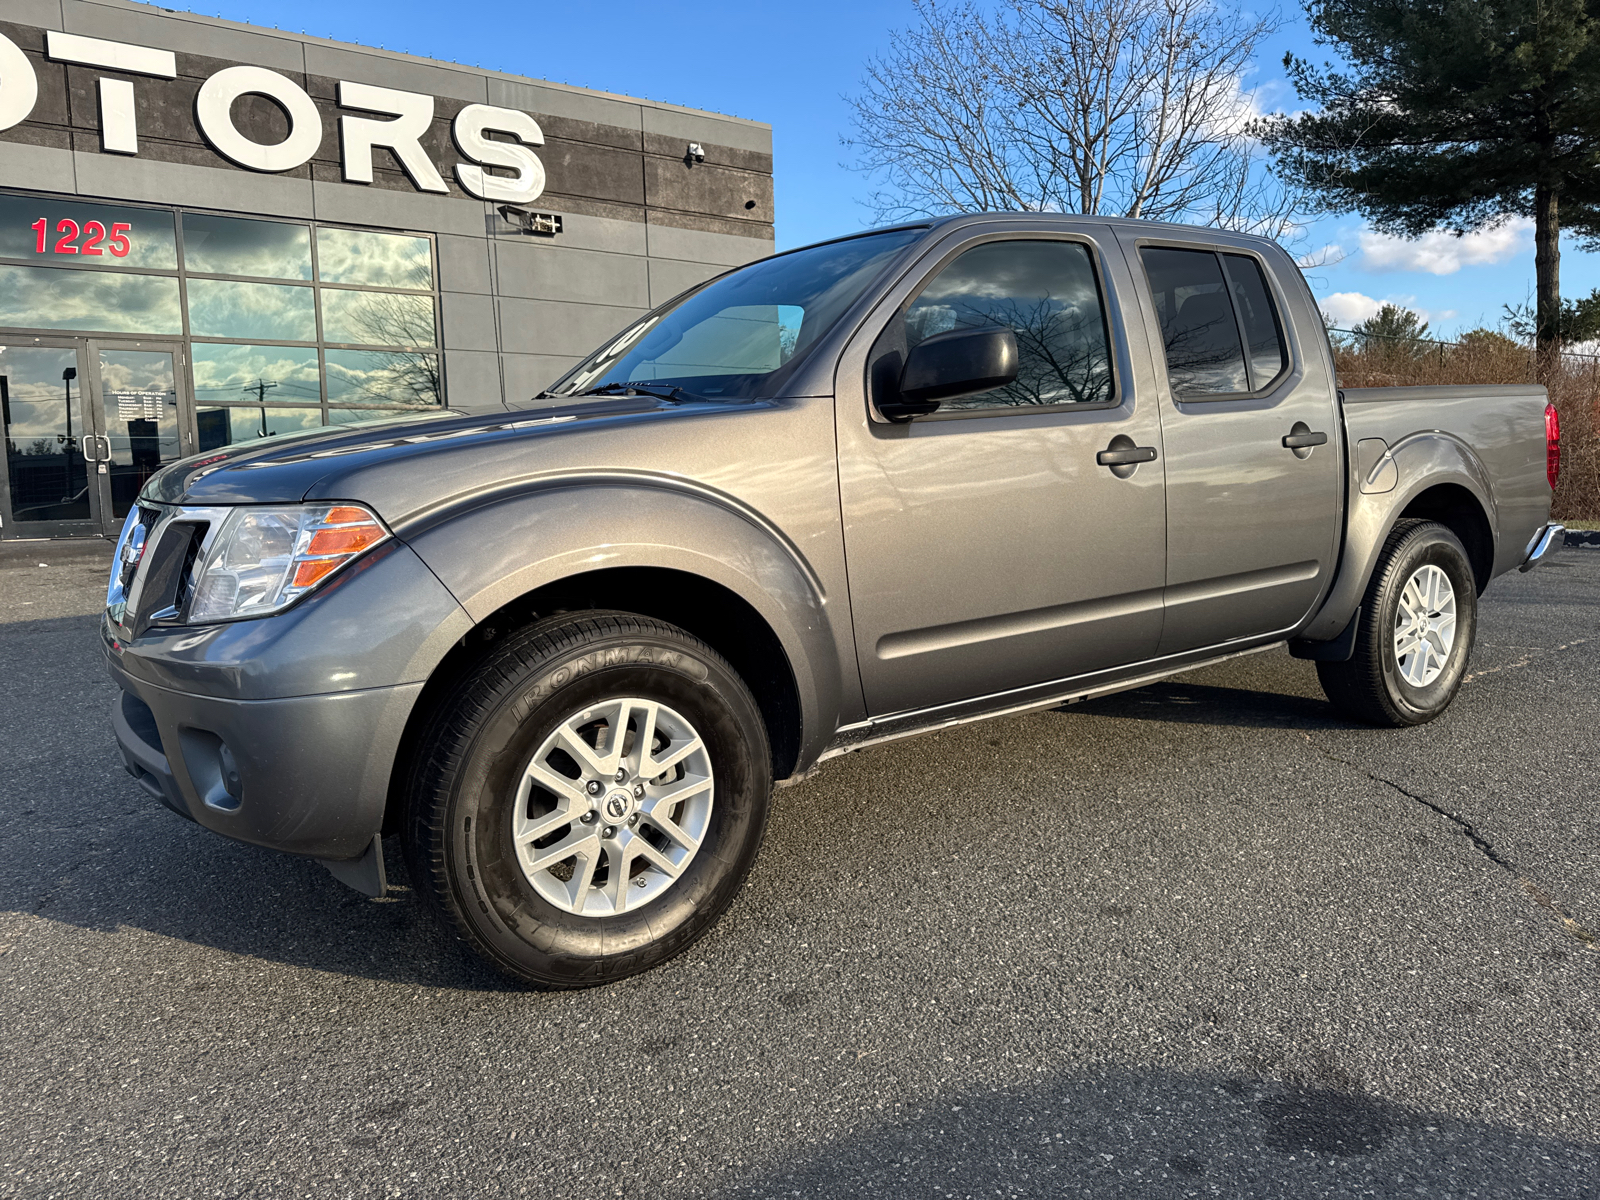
x=1061 y=351
x=1198 y=349
x=407 y=376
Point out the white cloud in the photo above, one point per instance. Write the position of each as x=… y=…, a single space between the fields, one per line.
x=1444 y=253
x=1348 y=309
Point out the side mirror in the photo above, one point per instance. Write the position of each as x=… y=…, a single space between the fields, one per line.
x=962 y=362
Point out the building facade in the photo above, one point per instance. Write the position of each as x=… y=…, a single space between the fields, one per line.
x=211 y=233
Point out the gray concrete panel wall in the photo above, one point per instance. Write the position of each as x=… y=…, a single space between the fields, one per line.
x=641 y=219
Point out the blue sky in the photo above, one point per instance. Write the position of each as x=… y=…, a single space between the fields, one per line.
x=790 y=65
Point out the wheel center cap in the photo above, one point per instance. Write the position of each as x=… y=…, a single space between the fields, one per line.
x=617 y=806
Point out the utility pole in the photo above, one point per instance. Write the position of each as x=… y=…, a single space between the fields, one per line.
x=259 y=387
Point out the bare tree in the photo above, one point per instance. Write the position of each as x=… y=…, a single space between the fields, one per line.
x=1132 y=108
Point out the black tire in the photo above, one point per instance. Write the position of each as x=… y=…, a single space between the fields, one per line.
x=459 y=821
x=1370 y=686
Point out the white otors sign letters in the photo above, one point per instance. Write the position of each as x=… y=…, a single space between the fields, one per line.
x=475 y=120
x=409 y=116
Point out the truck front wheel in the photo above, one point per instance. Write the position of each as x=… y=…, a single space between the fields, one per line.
x=590 y=799
x=1416 y=627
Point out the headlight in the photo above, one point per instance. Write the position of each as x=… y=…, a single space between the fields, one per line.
x=264 y=559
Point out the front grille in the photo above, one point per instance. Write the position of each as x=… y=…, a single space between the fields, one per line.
x=170 y=562
x=191 y=557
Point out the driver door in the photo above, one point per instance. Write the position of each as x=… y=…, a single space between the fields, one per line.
x=987 y=548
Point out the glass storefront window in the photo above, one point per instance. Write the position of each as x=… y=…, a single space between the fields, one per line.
x=45 y=230
x=96 y=301
x=120 y=270
x=276 y=312
x=376 y=259
x=229 y=374
x=377 y=318
x=218 y=426
x=384 y=377
x=236 y=246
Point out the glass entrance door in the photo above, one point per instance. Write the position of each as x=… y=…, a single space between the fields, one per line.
x=142 y=420
x=47 y=483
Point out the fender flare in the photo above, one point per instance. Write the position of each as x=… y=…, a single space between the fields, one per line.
x=497 y=548
x=1423 y=460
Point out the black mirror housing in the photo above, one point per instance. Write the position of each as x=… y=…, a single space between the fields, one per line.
x=962 y=362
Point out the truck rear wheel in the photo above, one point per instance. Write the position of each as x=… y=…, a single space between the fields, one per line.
x=590 y=799
x=1417 y=624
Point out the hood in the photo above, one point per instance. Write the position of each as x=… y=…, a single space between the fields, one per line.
x=285 y=469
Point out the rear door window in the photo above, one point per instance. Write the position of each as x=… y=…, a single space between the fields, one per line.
x=1205 y=356
x=1219 y=327
x=1258 y=315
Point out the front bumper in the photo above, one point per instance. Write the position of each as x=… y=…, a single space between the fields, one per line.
x=306 y=774
x=1544 y=546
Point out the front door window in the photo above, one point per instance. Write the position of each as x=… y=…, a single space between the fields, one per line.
x=139 y=411
x=47 y=477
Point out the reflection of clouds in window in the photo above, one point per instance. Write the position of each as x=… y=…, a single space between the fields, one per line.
x=137 y=370
x=383 y=377
x=280 y=312
x=41 y=298
x=378 y=259
x=235 y=246
x=150 y=241
x=1043 y=291
x=273 y=373
x=37 y=398
x=377 y=318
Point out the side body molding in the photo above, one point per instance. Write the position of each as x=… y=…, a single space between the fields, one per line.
x=1423 y=460
x=506 y=546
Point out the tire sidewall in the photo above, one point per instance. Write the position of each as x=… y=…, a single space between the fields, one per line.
x=1435 y=546
x=515 y=924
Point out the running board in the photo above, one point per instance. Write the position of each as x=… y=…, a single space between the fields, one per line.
x=875 y=732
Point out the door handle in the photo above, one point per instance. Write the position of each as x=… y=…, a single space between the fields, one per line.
x=1127 y=456
x=1304 y=441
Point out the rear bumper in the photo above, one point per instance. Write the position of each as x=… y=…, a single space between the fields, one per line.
x=1544 y=546
x=306 y=775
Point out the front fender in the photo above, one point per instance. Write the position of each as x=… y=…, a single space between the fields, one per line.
x=508 y=546
x=1422 y=461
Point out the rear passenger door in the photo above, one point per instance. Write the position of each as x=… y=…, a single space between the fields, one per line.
x=1249 y=427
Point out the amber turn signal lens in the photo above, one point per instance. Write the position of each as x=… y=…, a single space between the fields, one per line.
x=308 y=573
x=347 y=540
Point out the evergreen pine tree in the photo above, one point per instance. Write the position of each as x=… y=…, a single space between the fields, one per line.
x=1455 y=114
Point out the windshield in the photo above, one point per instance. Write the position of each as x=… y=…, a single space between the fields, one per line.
x=734 y=338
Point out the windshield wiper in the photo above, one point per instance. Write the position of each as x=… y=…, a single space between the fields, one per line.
x=670 y=393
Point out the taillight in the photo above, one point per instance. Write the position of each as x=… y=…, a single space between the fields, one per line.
x=1552 y=445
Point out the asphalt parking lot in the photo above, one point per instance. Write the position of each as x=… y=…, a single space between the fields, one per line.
x=1205 y=938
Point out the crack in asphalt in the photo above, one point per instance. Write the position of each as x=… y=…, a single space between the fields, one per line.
x=1523 y=661
x=1484 y=846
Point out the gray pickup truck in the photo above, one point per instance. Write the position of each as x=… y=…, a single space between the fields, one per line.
x=858 y=491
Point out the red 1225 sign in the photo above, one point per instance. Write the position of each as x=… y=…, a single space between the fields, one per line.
x=93 y=234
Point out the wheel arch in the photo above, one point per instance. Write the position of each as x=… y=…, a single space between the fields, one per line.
x=721 y=576
x=1439 y=479
x=1460 y=511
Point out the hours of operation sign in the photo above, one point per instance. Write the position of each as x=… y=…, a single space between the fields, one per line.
x=140 y=405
